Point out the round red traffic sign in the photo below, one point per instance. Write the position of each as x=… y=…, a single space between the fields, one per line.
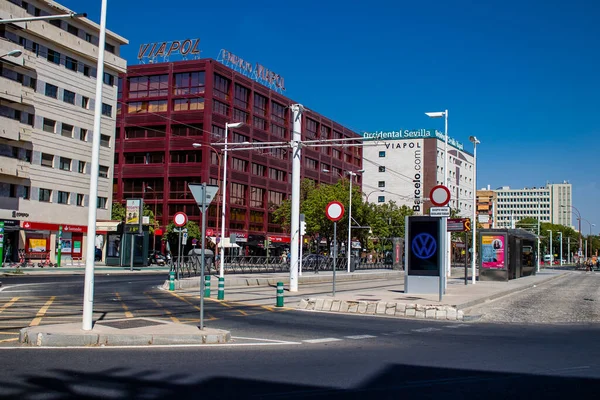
x=180 y=219
x=439 y=195
x=334 y=211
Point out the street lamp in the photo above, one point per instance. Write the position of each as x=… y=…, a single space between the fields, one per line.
x=197 y=146
x=227 y=126
x=444 y=114
x=12 y=53
x=561 y=249
x=551 y=252
x=579 y=227
x=352 y=175
x=370 y=193
x=475 y=142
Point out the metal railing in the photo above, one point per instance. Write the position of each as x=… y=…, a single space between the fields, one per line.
x=190 y=265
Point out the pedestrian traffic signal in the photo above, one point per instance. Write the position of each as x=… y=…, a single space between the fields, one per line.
x=302 y=228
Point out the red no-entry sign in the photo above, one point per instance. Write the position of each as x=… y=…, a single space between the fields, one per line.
x=180 y=219
x=334 y=211
x=439 y=195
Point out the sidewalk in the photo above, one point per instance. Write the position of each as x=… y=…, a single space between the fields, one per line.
x=369 y=292
x=75 y=270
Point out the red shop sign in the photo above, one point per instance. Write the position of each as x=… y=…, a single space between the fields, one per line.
x=280 y=239
x=42 y=226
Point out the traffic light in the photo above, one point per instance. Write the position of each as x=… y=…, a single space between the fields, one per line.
x=302 y=228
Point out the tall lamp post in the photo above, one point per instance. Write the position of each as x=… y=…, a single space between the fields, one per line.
x=551 y=252
x=475 y=142
x=13 y=53
x=227 y=126
x=444 y=114
x=561 y=249
x=370 y=193
x=197 y=146
x=579 y=228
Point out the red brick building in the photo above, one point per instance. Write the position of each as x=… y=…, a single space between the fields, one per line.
x=167 y=107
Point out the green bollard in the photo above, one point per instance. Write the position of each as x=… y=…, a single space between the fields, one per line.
x=221 y=291
x=172 y=281
x=207 y=286
x=279 y=294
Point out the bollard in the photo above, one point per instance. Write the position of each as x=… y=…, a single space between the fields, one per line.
x=221 y=290
x=207 y=286
x=171 y=280
x=279 y=294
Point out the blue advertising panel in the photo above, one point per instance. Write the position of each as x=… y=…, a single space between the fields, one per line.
x=424 y=246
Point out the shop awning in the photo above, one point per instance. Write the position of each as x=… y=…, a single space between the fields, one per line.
x=224 y=243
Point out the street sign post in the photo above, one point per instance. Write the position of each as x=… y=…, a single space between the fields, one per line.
x=204 y=195
x=334 y=211
x=440 y=197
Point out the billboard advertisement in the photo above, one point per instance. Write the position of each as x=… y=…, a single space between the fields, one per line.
x=424 y=250
x=132 y=215
x=493 y=251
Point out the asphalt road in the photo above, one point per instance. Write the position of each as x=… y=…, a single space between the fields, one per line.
x=282 y=353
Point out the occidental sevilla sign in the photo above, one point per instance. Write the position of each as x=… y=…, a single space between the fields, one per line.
x=42 y=226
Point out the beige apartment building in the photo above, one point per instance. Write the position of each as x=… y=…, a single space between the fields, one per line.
x=486 y=206
x=47 y=99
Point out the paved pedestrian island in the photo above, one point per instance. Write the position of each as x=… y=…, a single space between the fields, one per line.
x=121 y=332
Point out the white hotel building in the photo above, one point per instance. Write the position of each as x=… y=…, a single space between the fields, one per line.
x=551 y=203
x=409 y=163
x=47 y=100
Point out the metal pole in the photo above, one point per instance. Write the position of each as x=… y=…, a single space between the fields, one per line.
x=179 y=254
x=551 y=252
x=442 y=266
x=569 y=250
x=538 y=240
x=448 y=234
x=88 y=287
x=586 y=253
x=203 y=238
x=300 y=258
x=297 y=110
x=466 y=254
x=334 y=253
x=222 y=261
x=561 y=249
x=131 y=252
x=349 y=221
x=474 y=222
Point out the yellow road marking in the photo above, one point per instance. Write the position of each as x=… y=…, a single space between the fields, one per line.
x=10 y=303
x=9 y=340
x=9 y=333
x=128 y=313
x=169 y=313
x=38 y=317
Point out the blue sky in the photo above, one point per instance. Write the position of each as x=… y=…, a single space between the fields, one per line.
x=522 y=76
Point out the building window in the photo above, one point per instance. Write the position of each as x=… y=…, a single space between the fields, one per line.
x=81 y=167
x=65 y=164
x=85 y=102
x=83 y=135
x=110 y=48
x=105 y=140
x=106 y=110
x=381 y=199
x=258 y=169
x=239 y=164
x=71 y=64
x=188 y=104
x=311 y=128
x=102 y=202
x=51 y=91
x=148 y=86
x=69 y=97
x=49 y=125
x=108 y=79
x=240 y=116
x=189 y=83
x=80 y=198
x=259 y=123
x=277 y=113
x=45 y=195
x=381 y=169
x=241 y=97
x=278 y=130
x=147 y=106
x=103 y=172
x=220 y=108
x=63 y=197
x=47 y=160
x=381 y=184
x=238 y=194
x=382 y=154
x=53 y=56
x=72 y=30
x=260 y=105
x=66 y=130
x=221 y=87
x=257 y=196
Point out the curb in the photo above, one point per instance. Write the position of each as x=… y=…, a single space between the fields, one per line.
x=403 y=310
x=237 y=282
x=495 y=296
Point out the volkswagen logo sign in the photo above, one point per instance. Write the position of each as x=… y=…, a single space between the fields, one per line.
x=424 y=246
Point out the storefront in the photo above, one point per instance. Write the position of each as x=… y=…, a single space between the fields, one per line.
x=39 y=242
x=11 y=240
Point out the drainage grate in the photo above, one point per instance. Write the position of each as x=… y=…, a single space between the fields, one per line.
x=131 y=323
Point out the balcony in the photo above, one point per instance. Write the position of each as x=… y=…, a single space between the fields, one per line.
x=27 y=96
x=9 y=128
x=10 y=90
x=142 y=170
x=13 y=167
x=25 y=133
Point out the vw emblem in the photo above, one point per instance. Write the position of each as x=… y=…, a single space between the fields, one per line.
x=424 y=245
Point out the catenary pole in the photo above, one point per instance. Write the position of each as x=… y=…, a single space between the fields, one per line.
x=297 y=110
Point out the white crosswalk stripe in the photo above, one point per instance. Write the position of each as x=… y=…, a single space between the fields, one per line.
x=356 y=337
x=322 y=340
x=426 y=330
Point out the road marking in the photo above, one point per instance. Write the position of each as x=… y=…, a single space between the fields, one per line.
x=10 y=303
x=395 y=333
x=360 y=337
x=9 y=333
x=38 y=317
x=128 y=313
x=323 y=340
x=169 y=313
x=264 y=340
x=426 y=330
x=152 y=346
x=9 y=340
x=455 y=326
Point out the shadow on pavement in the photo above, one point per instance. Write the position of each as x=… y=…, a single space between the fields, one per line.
x=396 y=381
